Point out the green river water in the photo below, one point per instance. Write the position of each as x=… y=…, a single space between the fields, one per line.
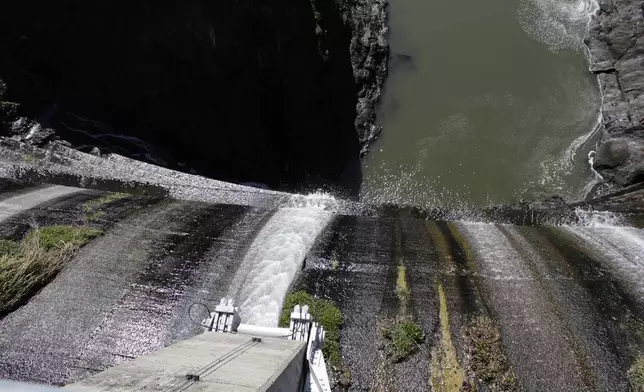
x=486 y=102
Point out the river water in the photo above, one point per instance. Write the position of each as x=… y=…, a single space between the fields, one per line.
x=486 y=102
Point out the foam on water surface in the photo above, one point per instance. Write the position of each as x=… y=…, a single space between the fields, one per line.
x=560 y=24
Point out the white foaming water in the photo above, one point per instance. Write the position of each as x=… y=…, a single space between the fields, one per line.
x=591 y=163
x=560 y=24
x=596 y=178
x=569 y=173
x=499 y=259
x=276 y=255
x=568 y=157
x=589 y=218
x=621 y=249
x=316 y=200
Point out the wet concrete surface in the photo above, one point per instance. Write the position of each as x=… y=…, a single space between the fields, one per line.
x=364 y=259
x=415 y=252
x=158 y=300
x=10 y=188
x=534 y=337
x=598 y=341
x=567 y=323
x=356 y=264
x=570 y=319
x=33 y=197
x=123 y=295
x=70 y=209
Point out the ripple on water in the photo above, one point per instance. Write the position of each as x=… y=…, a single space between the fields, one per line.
x=560 y=24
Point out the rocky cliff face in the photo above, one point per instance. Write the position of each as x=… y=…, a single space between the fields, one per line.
x=262 y=91
x=616 y=43
x=369 y=58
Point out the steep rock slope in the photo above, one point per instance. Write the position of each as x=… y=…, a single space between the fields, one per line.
x=260 y=91
x=616 y=43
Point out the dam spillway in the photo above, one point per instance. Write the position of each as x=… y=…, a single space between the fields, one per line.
x=560 y=296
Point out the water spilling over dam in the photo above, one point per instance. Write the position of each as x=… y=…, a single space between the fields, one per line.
x=453 y=189
x=564 y=300
x=274 y=258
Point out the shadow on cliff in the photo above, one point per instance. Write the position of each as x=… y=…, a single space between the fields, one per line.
x=241 y=91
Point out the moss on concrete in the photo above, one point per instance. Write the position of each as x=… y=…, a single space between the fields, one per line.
x=439 y=240
x=636 y=375
x=58 y=237
x=464 y=244
x=447 y=374
x=402 y=289
x=488 y=361
x=402 y=336
x=27 y=266
x=323 y=311
x=335 y=263
x=92 y=209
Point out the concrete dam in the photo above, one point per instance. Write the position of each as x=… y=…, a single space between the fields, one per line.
x=497 y=302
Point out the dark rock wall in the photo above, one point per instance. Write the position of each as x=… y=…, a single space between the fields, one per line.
x=616 y=44
x=369 y=58
x=259 y=91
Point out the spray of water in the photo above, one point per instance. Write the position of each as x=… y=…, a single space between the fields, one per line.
x=276 y=255
x=621 y=249
x=589 y=218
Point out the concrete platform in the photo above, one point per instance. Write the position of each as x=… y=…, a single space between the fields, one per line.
x=223 y=362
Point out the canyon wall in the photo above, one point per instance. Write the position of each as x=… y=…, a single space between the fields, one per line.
x=616 y=44
x=262 y=91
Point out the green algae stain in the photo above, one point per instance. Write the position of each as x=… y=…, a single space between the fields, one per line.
x=636 y=375
x=470 y=259
x=92 y=209
x=488 y=360
x=402 y=335
x=439 y=241
x=447 y=374
x=402 y=289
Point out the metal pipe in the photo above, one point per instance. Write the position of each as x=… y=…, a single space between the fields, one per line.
x=268 y=332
